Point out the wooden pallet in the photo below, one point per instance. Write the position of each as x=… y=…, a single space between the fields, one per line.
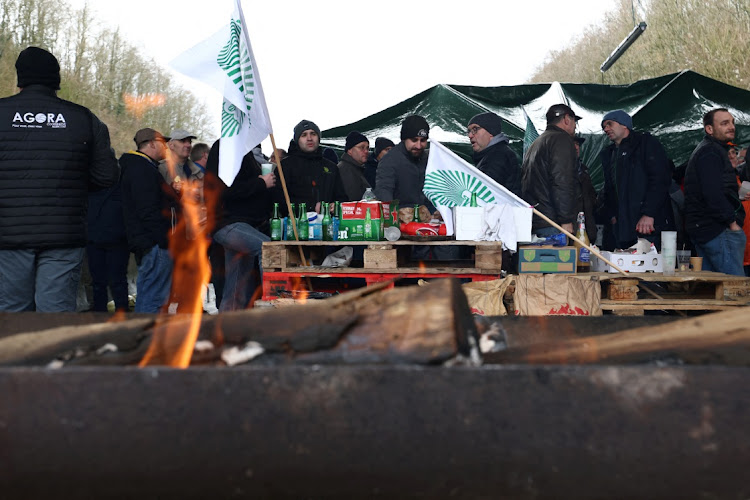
x=683 y=291
x=382 y=261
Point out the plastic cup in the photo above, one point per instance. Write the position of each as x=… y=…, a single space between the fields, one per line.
x=266 y=168
x=669 y=251
x=683 y=260
x=392 y=233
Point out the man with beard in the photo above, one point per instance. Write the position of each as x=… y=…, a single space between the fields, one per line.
x=310 y=178
x=713 y=212
x=401 y=172
x=382 y=146
x=492 y=155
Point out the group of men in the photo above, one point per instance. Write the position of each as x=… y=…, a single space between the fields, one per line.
x=56 y=159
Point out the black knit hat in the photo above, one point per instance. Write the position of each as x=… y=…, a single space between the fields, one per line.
x=37 y=66
x=491 y=122
x=353 y=139
x=302 y=126
x=381 y=143
x=414 y=126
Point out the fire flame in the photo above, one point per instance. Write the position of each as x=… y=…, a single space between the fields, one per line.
x=299 y=292
x=138 y=105
x=173 y=342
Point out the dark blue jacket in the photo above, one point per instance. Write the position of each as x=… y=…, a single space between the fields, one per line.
x=637 y=176
x=711 y=199
x=501 y=163
x=106 y=225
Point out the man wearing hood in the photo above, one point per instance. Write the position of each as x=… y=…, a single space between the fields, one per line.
x=352 y=166
x=492 y=155
x=310 y=178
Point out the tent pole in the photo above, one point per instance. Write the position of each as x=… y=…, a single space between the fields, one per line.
x=288 y=202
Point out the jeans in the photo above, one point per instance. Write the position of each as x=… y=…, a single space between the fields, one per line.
x=154 y=280
x=109 y=267
x=41 y=280
x=242 y=245
x=724 y=253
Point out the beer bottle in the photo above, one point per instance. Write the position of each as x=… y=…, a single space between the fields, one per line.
x=416 y=213
x=583 y=253
x=473 y=200
x=368 y=225
x=289 y=234
x=303 y=226
x=326 y=226
x=336 y=222
x=275 y=224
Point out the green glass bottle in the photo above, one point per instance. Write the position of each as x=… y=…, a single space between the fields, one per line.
x=289 y=234
x=336 y=222
x=326 y=225
x=473 y=200
x=368 y=225
x=303 y=226
x=275 y=224
x=416 y=213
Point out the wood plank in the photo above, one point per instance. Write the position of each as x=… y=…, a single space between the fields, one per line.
x=318 y=243
x=380 y=258
x=674 y=305
x=711 y=331
x=330 y=271
x=488 y=258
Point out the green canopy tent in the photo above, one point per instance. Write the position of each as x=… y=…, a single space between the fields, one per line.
x=671 y=107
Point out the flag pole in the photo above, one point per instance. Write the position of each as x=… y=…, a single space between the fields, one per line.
x=592 y=250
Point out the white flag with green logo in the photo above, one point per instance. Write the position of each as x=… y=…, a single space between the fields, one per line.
x=226 y=62
x=449 y=182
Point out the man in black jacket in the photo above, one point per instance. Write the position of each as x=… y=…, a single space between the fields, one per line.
x=550 y=173
x=53 y=152
x=637 y=176
x=242 y=225
x=382 y=146
x=713 y=211
x=352 y=166
x=149 y=205
x=310 y=178
x=492 y=155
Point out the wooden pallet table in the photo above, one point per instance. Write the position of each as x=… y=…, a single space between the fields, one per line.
x=382 y=261
x=683 y=291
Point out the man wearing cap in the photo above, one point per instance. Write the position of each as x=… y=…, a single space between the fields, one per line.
x=178 y=162
x=310 y=178
x=714 y=215
x=149 y=205
x=637 y=176
x=53 y=152
x=382 y=146
x=352 y=166
x=550 y=175
x=401 y=172
x=492 y=155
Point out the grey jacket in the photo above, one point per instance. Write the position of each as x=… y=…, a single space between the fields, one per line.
x=353 y=178
x=401 y=177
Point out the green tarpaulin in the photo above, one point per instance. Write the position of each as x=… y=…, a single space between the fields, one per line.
x=671 y=107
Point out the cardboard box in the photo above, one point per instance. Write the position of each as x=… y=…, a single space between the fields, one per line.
x=633 y=263
x=353 y=213
x=546 y=259
x=468 y=222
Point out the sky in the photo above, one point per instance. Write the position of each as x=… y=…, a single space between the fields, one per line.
x=336 y=61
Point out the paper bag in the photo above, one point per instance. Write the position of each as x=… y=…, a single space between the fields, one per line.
x=556 y=294
x=486 y=297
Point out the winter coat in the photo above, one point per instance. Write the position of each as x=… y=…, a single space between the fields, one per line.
x=106 y=223
x=711 y=199
x=637 y=176
x=247 y=200
x=53 y=151
x=499 y=162
x=310 y=178
x=149 y=204
x=401 y=177
x=550 y=178
x=353 y=178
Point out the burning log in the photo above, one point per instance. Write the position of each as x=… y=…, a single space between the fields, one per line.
x=425 y=325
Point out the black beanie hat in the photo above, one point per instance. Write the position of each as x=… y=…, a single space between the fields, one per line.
x=414 y=126
x=37 y=66
x=381 y=143
x=488 y=121
x=353 y=139
x=302 y=126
